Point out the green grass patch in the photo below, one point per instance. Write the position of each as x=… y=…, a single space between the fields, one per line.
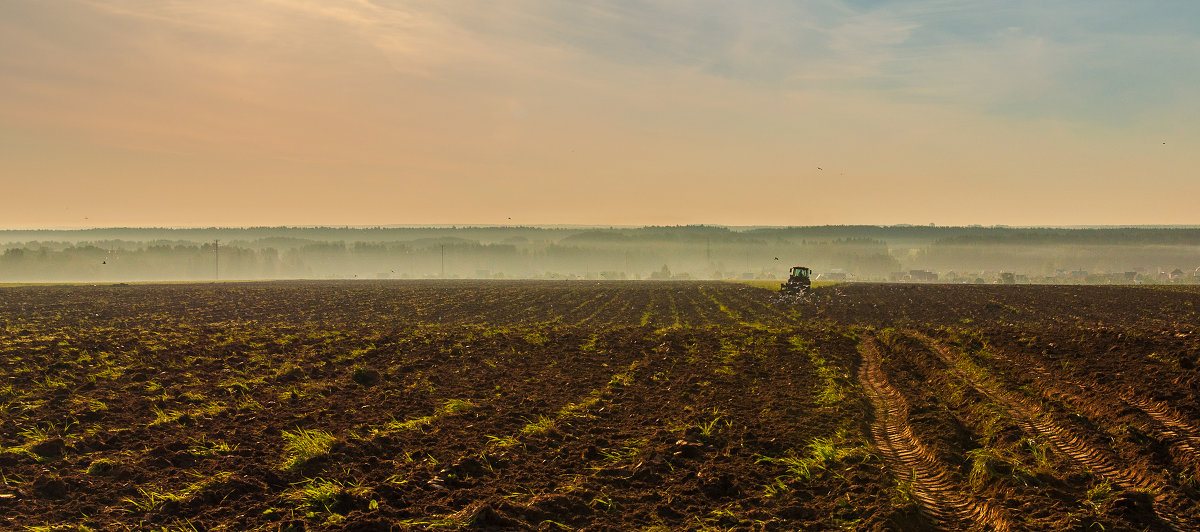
x=303 y=445
x=152 y=498
x=321 y=496
x=542 y=425
x=831 y=390
x=804 y=467
x=457 y=406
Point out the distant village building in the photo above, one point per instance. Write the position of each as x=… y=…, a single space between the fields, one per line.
x=922 y=276
x=913 y=276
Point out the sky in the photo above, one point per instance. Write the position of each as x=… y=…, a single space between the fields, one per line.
x=766 y=112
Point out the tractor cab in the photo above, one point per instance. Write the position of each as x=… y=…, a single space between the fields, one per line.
x=798 y=272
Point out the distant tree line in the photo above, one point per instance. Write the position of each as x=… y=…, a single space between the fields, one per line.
x=697 y=252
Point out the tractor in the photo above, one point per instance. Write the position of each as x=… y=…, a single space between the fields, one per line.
x=798 y=281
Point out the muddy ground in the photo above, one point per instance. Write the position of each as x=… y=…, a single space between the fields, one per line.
x=597 y=406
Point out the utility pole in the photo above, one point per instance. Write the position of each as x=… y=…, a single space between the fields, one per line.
x=217 y=260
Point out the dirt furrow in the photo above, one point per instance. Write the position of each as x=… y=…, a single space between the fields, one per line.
x=1167 y=423
x=940 y=500
x=1034 y=420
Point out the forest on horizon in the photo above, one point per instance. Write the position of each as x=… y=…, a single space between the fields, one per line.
x=955 y=254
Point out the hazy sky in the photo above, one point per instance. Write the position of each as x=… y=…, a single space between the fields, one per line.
x=266 y=112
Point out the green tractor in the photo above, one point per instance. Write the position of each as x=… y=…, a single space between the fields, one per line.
x=798 y=281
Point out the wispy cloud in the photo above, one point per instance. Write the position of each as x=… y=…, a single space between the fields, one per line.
x=653 y=93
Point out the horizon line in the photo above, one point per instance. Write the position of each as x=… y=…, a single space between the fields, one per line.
x=586 y=226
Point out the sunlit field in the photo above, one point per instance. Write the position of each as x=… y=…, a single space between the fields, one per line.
x=569 y=405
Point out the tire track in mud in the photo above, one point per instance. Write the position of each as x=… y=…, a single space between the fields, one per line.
x=942 y=502
x=1174 y=429
x=1166 y=422
x=1033 y=419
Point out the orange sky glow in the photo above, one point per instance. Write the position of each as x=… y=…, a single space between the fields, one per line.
x=299 y=112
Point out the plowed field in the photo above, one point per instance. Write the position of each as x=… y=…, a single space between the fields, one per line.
x=598 y=406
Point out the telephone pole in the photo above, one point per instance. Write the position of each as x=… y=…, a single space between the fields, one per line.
x=217 y=260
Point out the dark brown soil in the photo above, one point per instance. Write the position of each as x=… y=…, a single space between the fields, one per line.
x=589 y=405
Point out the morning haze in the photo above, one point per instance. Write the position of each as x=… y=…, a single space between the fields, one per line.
x=1129 y=255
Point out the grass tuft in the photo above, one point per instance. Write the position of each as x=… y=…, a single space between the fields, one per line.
x=457 y=406
x=902 y=495
x=821 y=451
x=324 y=496
x=304 y=445
x=1098 y=494
x=543 y=425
